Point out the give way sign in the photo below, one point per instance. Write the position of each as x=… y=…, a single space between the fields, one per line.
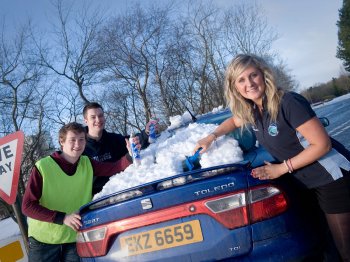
x=11 y=148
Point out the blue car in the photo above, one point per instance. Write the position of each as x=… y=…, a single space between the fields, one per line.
x=219 y=213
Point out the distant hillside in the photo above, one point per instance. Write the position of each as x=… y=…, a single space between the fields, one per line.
x=326 y=91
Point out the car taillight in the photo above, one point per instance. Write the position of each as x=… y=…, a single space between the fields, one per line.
x=226 y=203
x=232 y=210
x=90 y=243
x=266 y=202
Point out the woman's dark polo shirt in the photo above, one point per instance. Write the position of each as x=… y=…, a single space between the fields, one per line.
x=282 y=140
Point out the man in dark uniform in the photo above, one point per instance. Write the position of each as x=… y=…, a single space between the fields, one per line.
x=102 y=145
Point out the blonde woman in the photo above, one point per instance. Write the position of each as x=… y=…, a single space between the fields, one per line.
x=285 y=124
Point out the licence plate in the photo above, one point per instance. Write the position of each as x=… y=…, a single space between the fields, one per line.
x=162 y=238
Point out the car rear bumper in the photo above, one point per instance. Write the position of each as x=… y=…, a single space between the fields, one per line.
x=231 y=245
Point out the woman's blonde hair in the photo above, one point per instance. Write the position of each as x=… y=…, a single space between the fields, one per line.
x=243 y=107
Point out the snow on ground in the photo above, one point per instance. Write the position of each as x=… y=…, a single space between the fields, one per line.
x=9 y=228
x=334 y=100
x=165 y=157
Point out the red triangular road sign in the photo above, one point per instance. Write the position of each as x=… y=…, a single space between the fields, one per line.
x=11 y=148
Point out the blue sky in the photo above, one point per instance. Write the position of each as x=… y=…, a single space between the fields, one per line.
x=307 y=29
x=308 y=37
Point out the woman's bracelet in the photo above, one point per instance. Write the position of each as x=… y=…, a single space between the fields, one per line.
x=285 y=163
x=289 y=166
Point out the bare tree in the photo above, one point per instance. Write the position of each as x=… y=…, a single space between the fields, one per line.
x=65 y=107
x=212 y=38
x=204 y=27
x=74 y=46
x=164 y=66
x=22 y=97
x=247 y=31
x=284 y=79
x=133 y=47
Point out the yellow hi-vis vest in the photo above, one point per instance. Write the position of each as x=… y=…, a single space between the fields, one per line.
x=62 y=193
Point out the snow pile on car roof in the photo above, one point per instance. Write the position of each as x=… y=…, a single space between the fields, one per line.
x=165 y=157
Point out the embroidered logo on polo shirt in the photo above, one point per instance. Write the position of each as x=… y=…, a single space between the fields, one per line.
x=273 y=130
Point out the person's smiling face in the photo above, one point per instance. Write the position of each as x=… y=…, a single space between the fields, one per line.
x=73 y=145
x=95 y=120
x=251 y=85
